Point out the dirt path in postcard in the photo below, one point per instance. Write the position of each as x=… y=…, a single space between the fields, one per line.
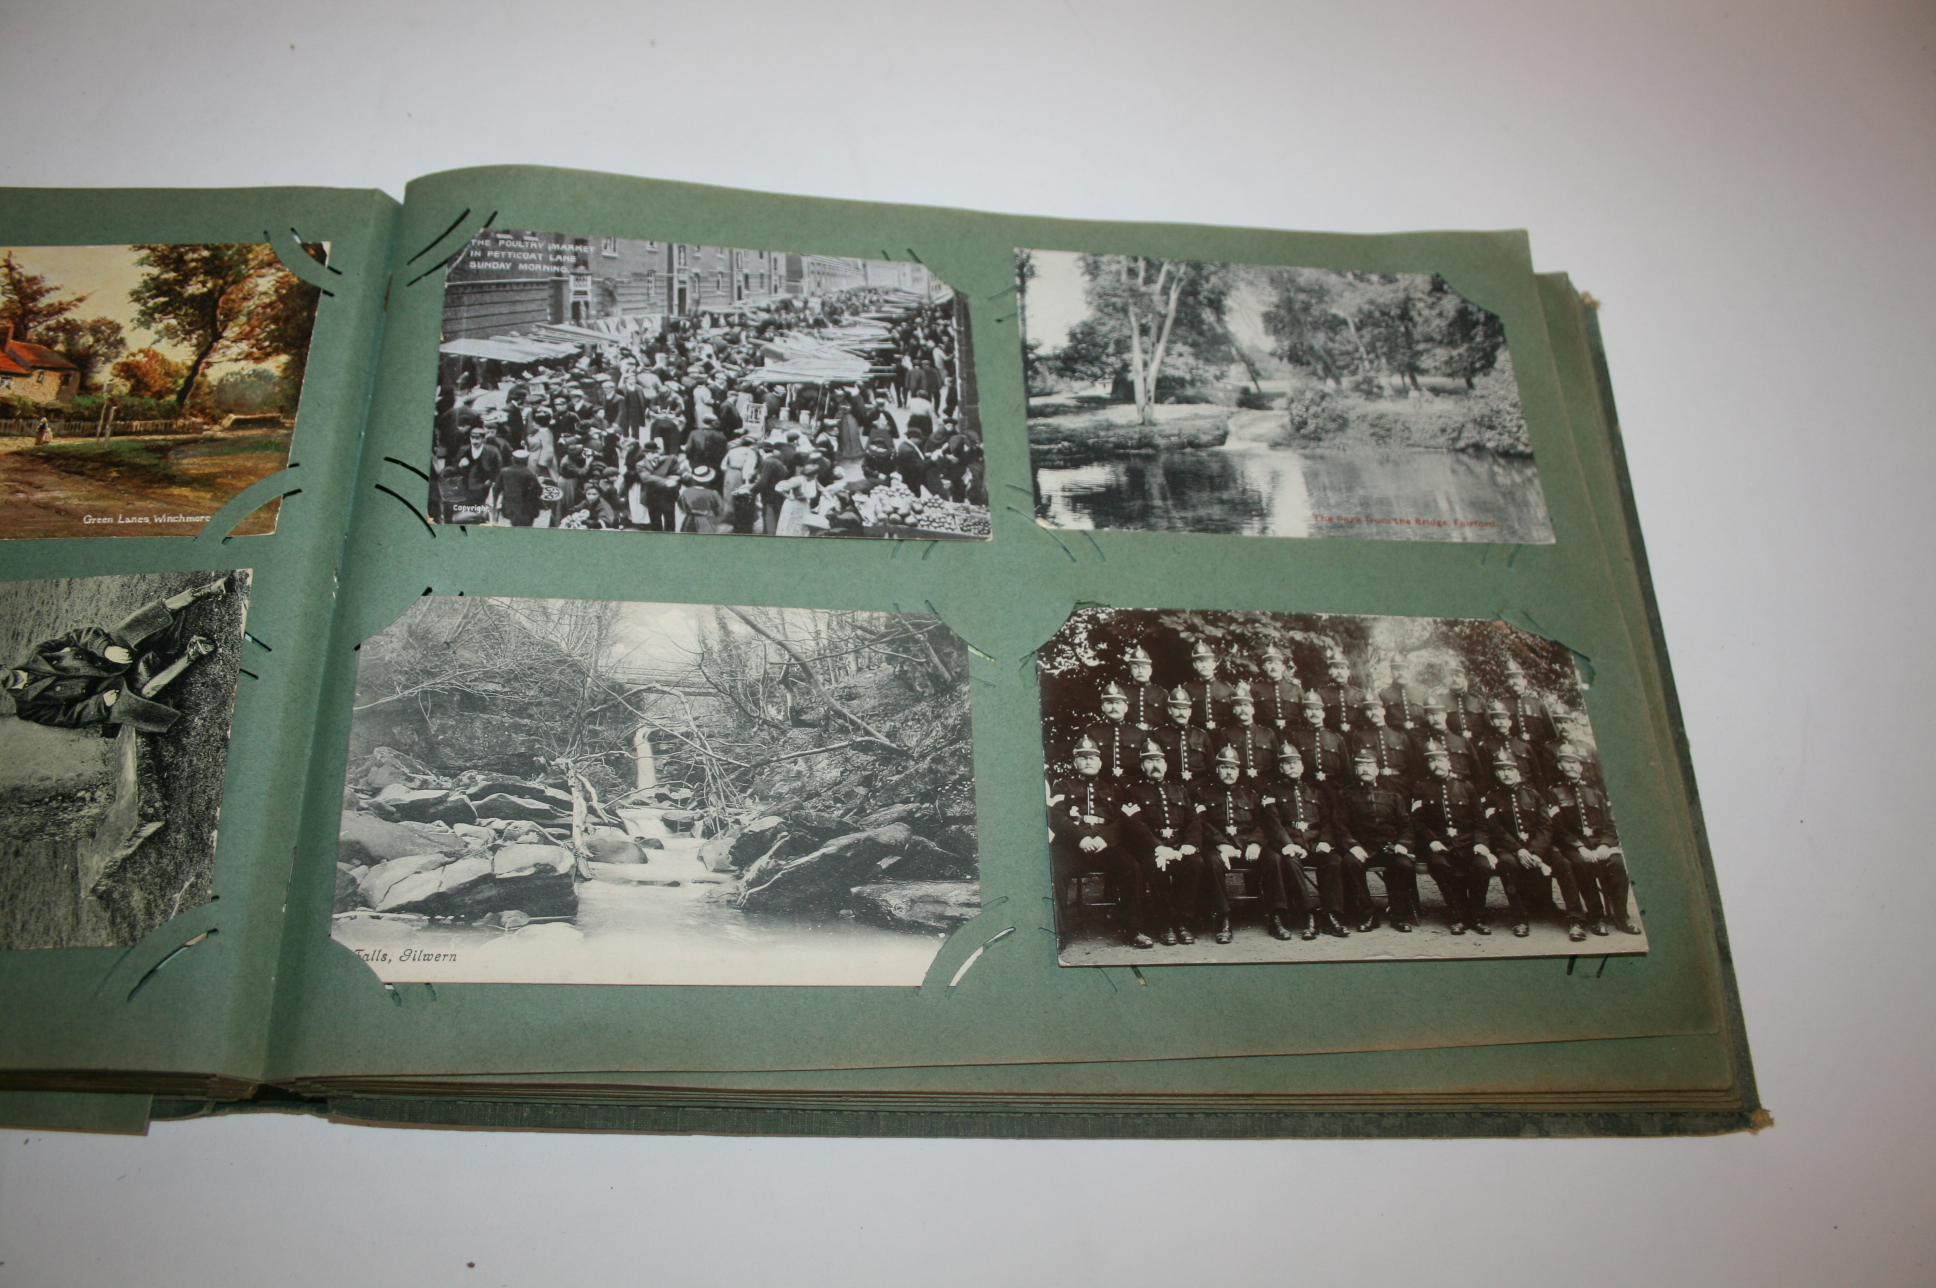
x=37 y=500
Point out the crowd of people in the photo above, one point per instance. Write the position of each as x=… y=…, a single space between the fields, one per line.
x=1307 y=790
x=679 y=430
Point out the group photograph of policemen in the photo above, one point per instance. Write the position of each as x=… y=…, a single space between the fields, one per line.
x=625 y=385
x=1245 y=787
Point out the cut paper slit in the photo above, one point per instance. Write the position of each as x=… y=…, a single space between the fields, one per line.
x=289 y=249
x=391 y=460
x=419 y=514
x=156 y=968
x=301 y=240
x=239 y=508
x=432 y=243
x=976 y=956
x=274 y=502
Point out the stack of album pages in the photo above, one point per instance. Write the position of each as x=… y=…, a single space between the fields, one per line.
x=1144 y=681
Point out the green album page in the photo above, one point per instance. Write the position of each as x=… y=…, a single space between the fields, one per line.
x=1004 y=598
x=177 y=469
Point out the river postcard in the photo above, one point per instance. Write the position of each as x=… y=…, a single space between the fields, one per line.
x=1188 y=396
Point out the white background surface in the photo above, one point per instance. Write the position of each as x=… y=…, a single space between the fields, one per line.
x=1748 y=189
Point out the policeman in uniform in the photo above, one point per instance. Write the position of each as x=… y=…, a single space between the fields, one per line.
x=1209 y=696
x=1187 y=747
x=1118 y=739
x=1256 y=746
x=1299 y=815
x=1084 y=811
x=1458 y=748
x=1450 y=819
x=1341 y=697
x=1391 y=749
x=1517 y=839
x=1532 y=723
x=1326 y=757
x=1146 y=700
x=1577 y=733
x=1465 y=711
x=1162 y=831
x=1235 y=833
x=1404 y=705
x=1373 y=824
x=1499 y=737
x=1583 y=838
x=1280 y=695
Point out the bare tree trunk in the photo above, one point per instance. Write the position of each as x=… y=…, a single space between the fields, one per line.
x=813 y=680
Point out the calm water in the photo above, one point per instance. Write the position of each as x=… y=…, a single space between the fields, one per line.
x=1251 y=488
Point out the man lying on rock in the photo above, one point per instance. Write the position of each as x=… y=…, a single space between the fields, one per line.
x=95 y=677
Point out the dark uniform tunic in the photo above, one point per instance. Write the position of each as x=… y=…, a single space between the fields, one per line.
x=1121 y=745
x=1234 y=815
x=1165 y=813
x=1146 y=704
x=1532 y=722
x=1517 y=819
x=1457 y=750
x=1188 y=749
x=1080 y=807
x=1256 y=749
x=1448 y=812
x=1522 y=755
x=1341 y=702
x=1300 y=814
x=1391 y=747
x=1278 y=701
x=1582 y=820
x=1209 y=703
x=1377 y=820
x=1326 y=757
x=1404 y=706
x=1465 y=714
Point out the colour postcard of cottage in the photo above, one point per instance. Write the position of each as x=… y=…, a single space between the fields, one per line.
x=143 y=387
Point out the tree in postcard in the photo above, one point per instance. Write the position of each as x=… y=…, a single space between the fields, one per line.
x=223 y=301
x=1147 y=315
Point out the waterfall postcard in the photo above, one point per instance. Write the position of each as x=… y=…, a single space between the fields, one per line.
x=572 y=791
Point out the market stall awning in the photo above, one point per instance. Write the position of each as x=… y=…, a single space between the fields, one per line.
x=508 y=348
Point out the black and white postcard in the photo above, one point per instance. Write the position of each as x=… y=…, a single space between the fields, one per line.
x=1188 y=396
x=115 y=705
x=1261 y=787
x=641 y=386
x=570 y=791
